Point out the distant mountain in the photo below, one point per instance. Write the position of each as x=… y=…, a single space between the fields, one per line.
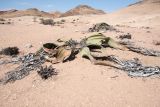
x=79 y=10
x=7 y=11
x=82 y=10
x=56 y=13
x=28 y=12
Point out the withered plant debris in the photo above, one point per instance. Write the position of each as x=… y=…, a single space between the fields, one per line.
x=10 y=51
x=50 y=45
x=101 y=27
x=57 y=54
x=26 y=63
x=126 y=36
x=134 y=67
x=46 y=72
x=144 y=51
x=148 y=52
x=72 y=44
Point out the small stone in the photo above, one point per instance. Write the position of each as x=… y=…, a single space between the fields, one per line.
x=28 y=45
x=14 y=97
x=33 y=85
x=41 y=43
x=2 y=62
x=16 y=59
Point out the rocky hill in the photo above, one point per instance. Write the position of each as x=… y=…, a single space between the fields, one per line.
x=56 y=13
x=82 y=10
x=28 y=12
x=79 y=10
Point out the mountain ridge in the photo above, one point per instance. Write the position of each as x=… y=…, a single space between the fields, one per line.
x=82 y=10
x=78 y=10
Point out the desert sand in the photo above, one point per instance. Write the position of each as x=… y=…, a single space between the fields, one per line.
x=79 y=83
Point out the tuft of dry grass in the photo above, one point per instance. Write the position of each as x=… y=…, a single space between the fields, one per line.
x=10 y=51
x=47 y=21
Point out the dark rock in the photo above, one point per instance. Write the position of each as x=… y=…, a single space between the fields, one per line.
x=28 y=45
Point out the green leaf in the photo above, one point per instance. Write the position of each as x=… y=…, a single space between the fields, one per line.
x=95 y=40
x=85 y=52
x=101 y=40
x=112 y=43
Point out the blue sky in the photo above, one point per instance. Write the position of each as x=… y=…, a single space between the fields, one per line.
x=64 y=5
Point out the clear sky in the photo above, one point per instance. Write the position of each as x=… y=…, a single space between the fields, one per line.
x=64 y=5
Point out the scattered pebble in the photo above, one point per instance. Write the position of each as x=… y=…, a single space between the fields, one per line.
x=40 y=43
x=28 y=45
x=148 y=31
x=1 y=62
x=114 y=76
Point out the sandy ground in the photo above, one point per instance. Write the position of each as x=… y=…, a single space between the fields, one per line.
x=79 y=83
